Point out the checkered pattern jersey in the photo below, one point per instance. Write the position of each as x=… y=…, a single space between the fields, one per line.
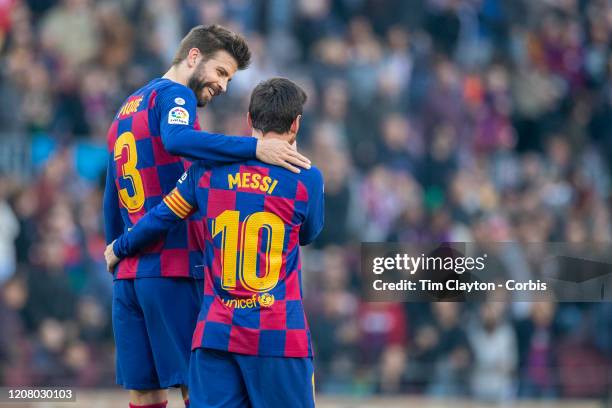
x=253 y=292
x=144 y=172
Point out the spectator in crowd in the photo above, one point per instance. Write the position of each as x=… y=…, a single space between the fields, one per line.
x=442 y=351
x=538 y=352
x=9 y=226
x=493 y=343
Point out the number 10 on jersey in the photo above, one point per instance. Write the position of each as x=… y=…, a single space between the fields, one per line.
x=242 y=261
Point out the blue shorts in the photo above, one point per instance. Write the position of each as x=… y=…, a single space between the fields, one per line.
x=153 y=322
x=222 y=379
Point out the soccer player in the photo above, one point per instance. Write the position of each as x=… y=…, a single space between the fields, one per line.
x=157 y=293
x=251 y=345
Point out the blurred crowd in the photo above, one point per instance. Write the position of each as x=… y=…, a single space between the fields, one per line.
x=431 y=120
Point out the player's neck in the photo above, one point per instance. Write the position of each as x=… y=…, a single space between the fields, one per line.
x=287 y=137
x=174 y=74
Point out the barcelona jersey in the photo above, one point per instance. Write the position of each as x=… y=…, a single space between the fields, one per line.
x=253 y=217
x=155 y=128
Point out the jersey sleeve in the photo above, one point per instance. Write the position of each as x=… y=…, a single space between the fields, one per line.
x=113 y=223
x=313 y=224
x=179 y=204
x=182 y=199
x=177 y=107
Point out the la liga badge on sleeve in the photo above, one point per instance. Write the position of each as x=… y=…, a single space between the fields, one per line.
x=178 y=116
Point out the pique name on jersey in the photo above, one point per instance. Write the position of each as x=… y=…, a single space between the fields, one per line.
x=254 y=181
x=129 y=107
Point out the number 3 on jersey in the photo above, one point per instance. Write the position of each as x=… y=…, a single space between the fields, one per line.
x=126 y=156
x=244 y=261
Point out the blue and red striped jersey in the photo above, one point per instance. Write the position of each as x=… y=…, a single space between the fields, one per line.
x=254 y=217
x=154 y=128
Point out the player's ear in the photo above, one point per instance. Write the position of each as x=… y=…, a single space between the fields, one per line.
x=295 y=125
x=249 y=120
x=192 y=57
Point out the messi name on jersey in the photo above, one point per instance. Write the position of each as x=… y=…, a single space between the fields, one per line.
x=252 y=181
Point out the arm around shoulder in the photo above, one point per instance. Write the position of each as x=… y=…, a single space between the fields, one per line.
x=315 y=216
x=177 y=114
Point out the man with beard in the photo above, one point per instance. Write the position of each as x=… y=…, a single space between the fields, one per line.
x=157 y=293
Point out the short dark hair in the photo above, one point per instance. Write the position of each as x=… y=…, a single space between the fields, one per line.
x=213 y=38
x=275 y=103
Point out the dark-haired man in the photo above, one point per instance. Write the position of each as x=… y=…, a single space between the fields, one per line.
x=251 y=345
x=157 y=293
